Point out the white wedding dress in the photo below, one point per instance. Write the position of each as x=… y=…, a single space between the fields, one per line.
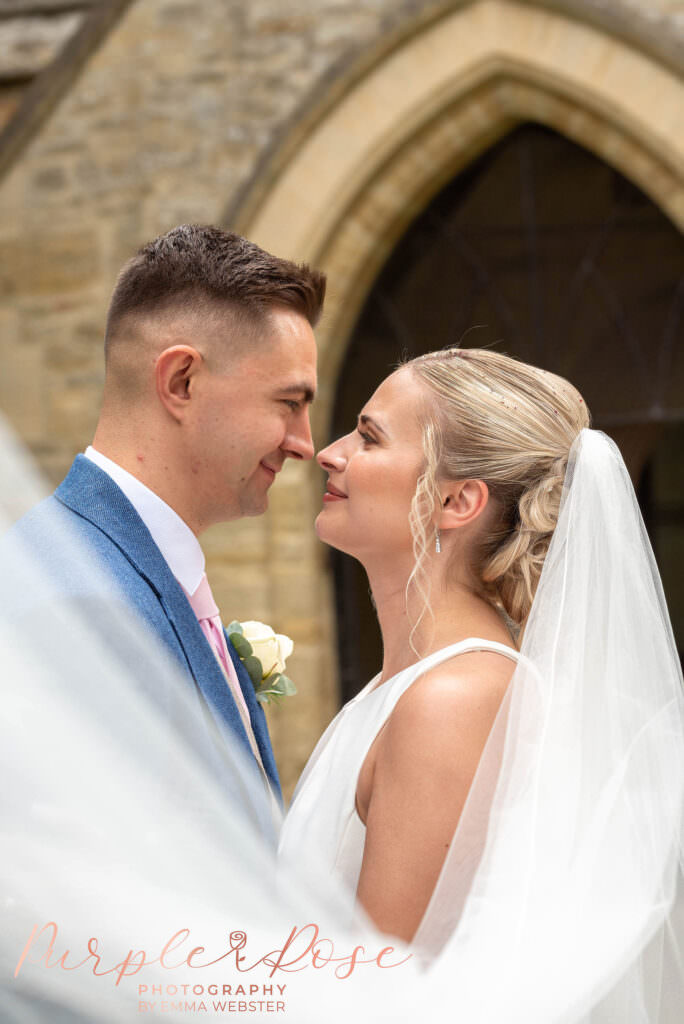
x=324 y=803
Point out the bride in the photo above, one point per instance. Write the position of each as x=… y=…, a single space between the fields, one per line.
x=510 y=783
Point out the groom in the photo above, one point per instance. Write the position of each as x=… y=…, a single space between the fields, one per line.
x=210 y=367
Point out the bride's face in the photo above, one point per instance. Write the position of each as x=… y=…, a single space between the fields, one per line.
x=373 y=472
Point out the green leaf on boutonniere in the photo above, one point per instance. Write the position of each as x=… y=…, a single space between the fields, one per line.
x=253 y=666
x=286 y=687
x=275 y=688
x=241 y=645
x=234 y=627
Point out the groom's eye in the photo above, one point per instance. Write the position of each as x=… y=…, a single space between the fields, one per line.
x=292 y=403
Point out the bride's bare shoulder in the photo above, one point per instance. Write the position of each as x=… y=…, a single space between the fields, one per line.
x=459 y=698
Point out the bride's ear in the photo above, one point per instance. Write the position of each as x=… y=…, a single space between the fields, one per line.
x=462 y=503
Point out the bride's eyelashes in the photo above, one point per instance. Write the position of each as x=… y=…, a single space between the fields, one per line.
x=367 y=439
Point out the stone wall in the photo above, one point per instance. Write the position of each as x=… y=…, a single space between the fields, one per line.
x=32 y=34
x=172 y=119
x=167 y=123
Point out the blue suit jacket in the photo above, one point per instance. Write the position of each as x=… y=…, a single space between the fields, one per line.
x=90 y=505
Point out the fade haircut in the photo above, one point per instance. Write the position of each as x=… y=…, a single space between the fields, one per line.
x=197 y=265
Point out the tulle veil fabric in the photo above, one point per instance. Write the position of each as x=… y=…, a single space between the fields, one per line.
x=577 y=802
x=561 y=896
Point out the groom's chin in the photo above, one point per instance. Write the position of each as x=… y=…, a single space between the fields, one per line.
x=254 y=504
x=258 y=508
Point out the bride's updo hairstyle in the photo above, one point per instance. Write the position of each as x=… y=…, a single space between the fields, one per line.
x=490 y=417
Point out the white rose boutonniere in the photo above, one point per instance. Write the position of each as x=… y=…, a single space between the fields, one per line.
x=263 y=653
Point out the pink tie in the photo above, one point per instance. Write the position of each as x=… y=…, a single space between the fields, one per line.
x=203 y=605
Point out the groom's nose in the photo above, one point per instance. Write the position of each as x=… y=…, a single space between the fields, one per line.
x=298 y=443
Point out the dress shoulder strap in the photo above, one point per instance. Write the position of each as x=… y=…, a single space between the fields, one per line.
x=395 y=687
x=472 y=643
x=389 y=693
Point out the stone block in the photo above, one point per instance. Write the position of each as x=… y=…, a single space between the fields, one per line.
x=73 y=406
x=10 y=98
x=9 y=8
x=52 y=461
x=238 y=543
x=27 y=45
x=240 y=594
x=22 y=381
x=294 y=590
x=294 y=546
x=50 y=179
x=58 y=263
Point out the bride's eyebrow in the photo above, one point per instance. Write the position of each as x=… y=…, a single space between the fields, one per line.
x=364 y=420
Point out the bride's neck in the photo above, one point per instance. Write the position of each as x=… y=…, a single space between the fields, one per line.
x=457 y=612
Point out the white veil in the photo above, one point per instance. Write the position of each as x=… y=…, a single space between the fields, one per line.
x=571 y=911
x=557 y=900
x=114 y=835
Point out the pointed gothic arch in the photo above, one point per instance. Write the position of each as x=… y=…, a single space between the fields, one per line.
x=358 y=176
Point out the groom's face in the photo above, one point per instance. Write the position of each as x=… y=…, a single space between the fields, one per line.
x=252 y=413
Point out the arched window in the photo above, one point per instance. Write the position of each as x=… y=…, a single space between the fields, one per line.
x=548 y=254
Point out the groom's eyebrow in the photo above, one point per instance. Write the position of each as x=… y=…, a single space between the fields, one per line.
x=307 y=393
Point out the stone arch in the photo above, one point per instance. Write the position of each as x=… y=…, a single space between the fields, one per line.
x=436 y=101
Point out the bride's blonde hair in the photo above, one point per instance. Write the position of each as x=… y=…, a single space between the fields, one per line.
x=492 y=418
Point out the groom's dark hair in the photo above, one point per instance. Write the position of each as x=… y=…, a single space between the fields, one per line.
x=196 y=265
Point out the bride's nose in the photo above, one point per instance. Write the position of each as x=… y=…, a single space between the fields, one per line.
x=332 y=459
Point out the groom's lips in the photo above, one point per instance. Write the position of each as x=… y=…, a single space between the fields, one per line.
x=270 y=470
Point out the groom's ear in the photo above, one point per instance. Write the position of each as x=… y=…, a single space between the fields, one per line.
x=174 y=369
x=462 y=502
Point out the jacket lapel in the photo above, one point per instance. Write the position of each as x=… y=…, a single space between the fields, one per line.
x=257 y=718
x=92 y=494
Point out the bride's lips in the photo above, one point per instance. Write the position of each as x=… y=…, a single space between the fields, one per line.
x=333 y=494
x=271 y=472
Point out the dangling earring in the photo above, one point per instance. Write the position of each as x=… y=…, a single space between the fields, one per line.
x=438 y=541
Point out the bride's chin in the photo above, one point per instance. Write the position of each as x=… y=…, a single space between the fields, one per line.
x=325 y=533
x=319 y=527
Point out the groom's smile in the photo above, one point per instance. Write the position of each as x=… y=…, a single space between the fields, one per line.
x=252 y=413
